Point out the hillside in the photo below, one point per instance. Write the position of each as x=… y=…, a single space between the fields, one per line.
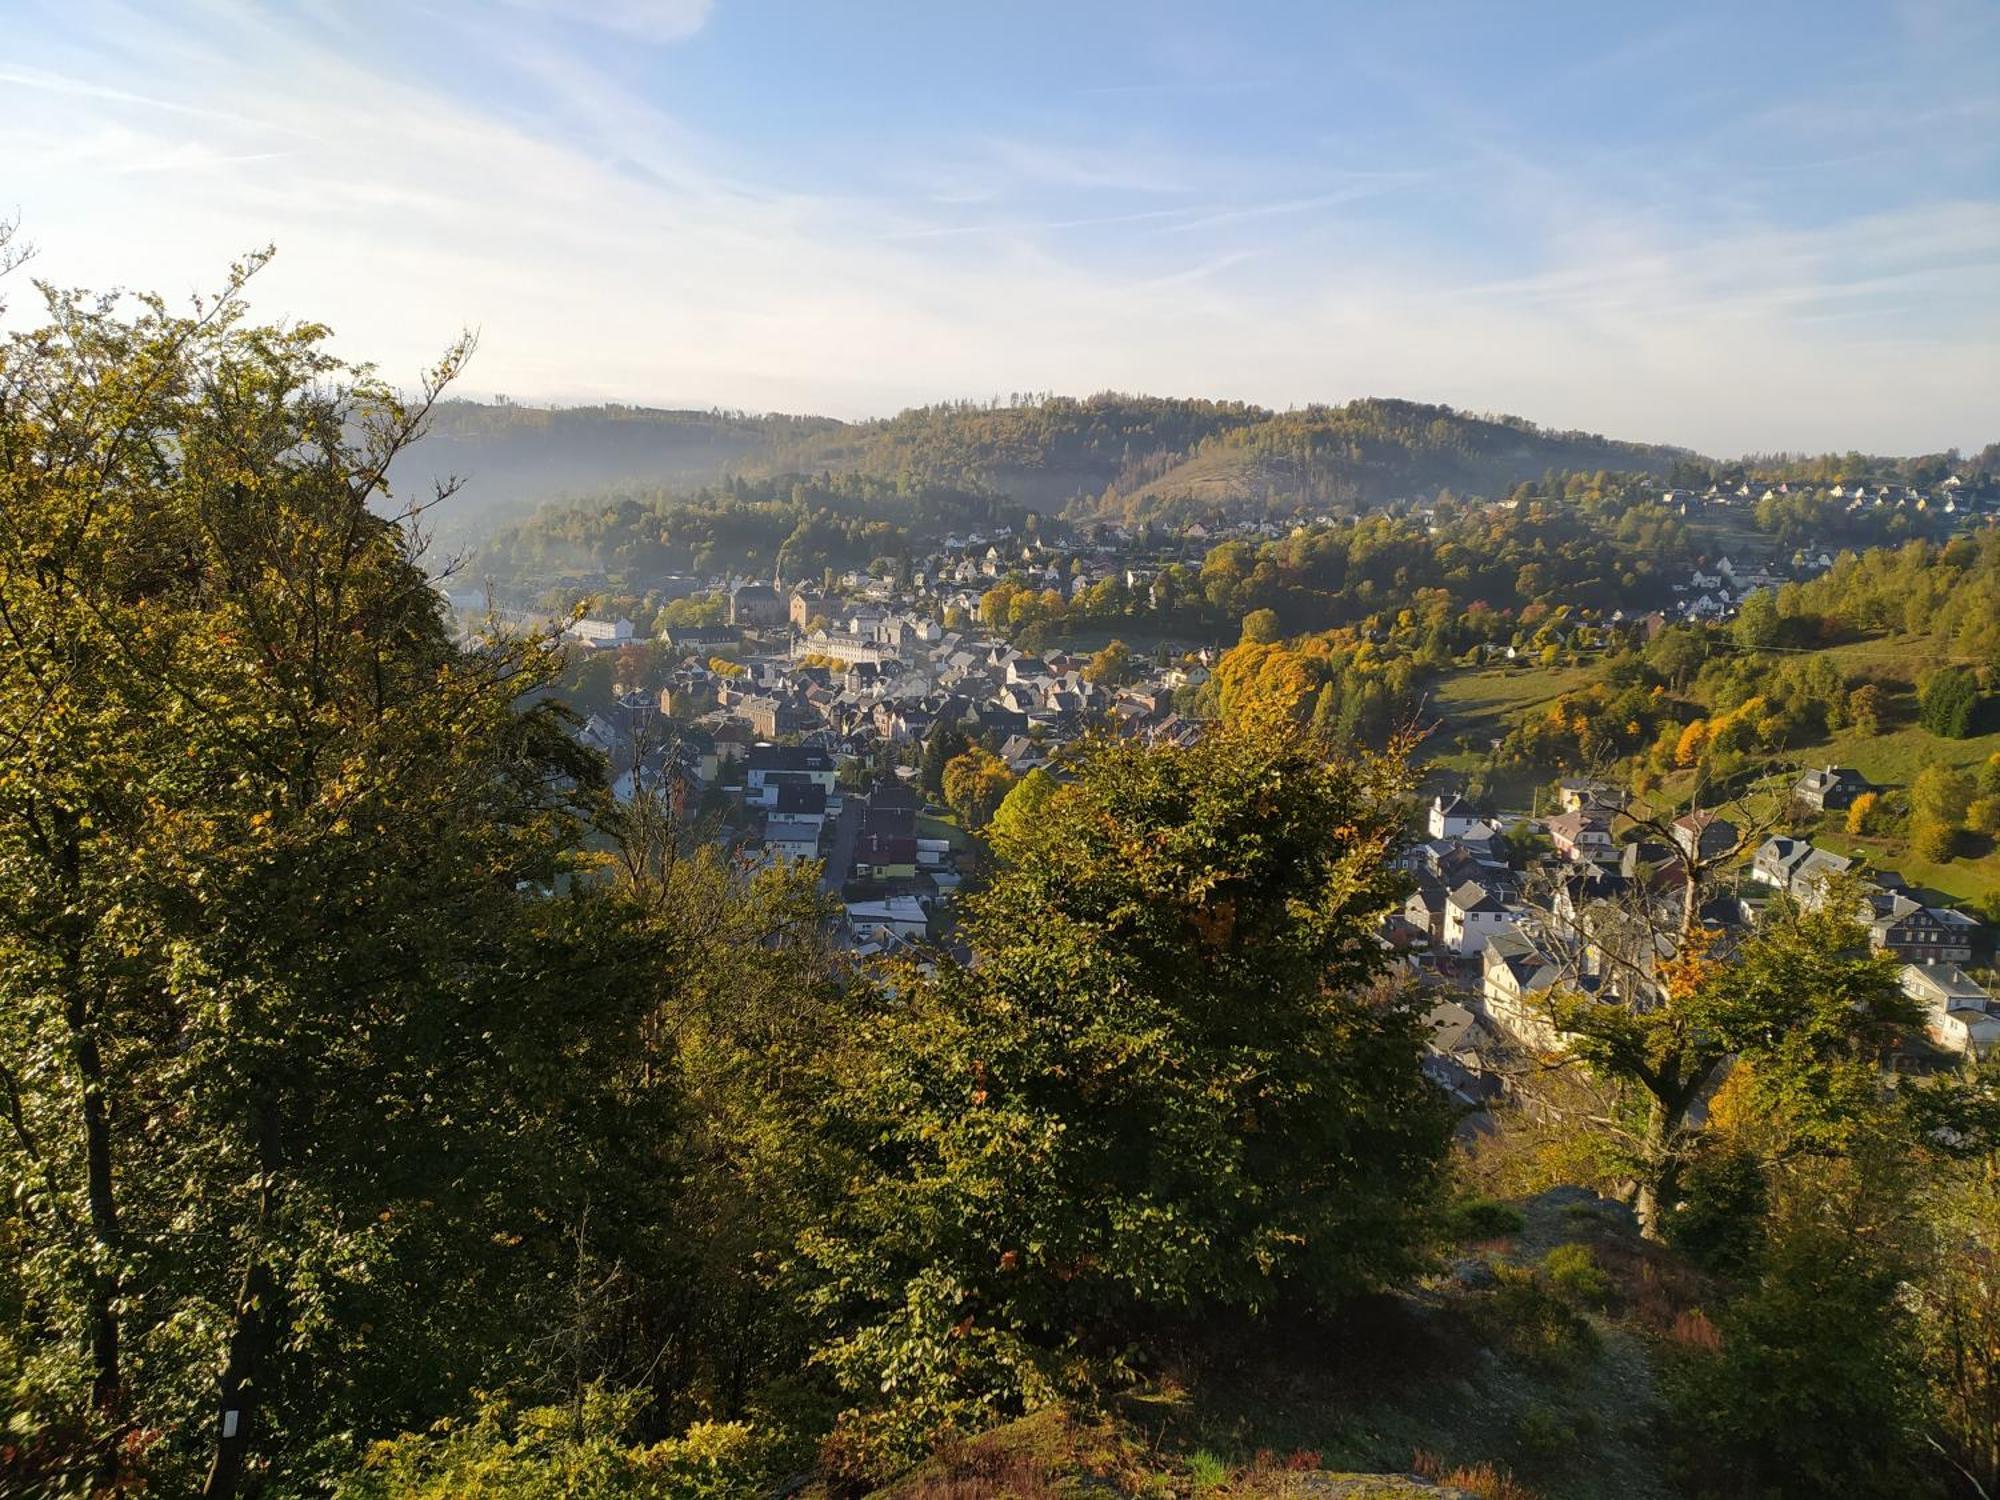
x=1052 y=453
x=1110 y=455
x=1511 y=1377
x=511 y=458
x=1367 y=452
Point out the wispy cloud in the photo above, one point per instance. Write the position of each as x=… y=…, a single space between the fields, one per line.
x=648 y=20
x=608 y=248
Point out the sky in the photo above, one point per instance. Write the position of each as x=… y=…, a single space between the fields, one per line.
x=1739 y=227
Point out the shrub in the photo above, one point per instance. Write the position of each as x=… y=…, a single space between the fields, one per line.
x=1206 y=1470
x=1718 y=1221
x=1936 y=842
x=1574 y=1272
x=1523 y=1315
x=1545 y=1433
x=1484 y=1219
x=1484 y=1479
x=1983 y=816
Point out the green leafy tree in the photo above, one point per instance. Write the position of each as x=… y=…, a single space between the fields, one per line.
x=944 y=744
x=975 y=781
x=1110 y=666
x=1795 y=1004
x=260 y=816
x=1757 y=623
x=1941 y=794
x=1161 y=1090
x=1020 y=810
x=1949 y=705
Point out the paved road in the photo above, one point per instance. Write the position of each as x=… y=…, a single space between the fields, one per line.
x=840 y=858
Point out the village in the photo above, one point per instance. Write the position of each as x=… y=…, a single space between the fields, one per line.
x=798 y=725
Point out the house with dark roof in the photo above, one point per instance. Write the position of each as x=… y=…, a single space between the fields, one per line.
x=1920 y=934
x=1830 y=788
x=756 y=604
x=1473 y=913
x=1705 y=833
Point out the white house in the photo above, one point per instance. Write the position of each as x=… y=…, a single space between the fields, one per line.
x=603 y=632
x=1959 y=1013
x=1472 y=915
x=895 y=916
x=1451 y=816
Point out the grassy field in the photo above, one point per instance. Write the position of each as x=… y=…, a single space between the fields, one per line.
x=1485 y=701
x=1482 y=704
x=1474 y=706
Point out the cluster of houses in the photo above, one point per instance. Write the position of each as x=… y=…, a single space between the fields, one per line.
x=796 y=722
x=1500 y=921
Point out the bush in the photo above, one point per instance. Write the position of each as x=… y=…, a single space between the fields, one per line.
x=1718 y=1223
x=545 y=1451
x=1206 y=1470
x=1983 y=815
x=1573 y=1271
x=1523 y=1315
x=1809 y=1389
x=1546 y=1434
x=1936 y=842
x=1484 y=1219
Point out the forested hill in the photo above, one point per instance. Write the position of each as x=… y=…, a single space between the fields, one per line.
x=1366 y=452
x=512 y=458
x=1135 y=457
x=1110 y=454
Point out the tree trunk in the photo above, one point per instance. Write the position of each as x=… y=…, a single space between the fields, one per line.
x=244 y=1373
x=103 y=1294
x=1661 y=1170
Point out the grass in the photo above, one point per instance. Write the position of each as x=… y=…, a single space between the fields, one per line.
x=1486 y=701
x=950 y=832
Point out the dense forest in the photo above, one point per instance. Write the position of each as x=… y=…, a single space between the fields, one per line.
x=794 y=525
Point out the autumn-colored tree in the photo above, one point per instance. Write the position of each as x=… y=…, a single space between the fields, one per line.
x=974 y=783
x=1861 y=813
x=1110 y=666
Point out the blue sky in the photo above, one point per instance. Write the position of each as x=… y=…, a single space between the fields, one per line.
x=1741 y=227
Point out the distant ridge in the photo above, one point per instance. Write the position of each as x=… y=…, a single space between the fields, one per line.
x=1109 y=455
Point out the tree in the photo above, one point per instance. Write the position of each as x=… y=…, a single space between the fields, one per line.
x=974 y=783
x=1162 y=1089
x=1676 y=653
x=1936 y=842
x=1949 y=704
x=1982 y=815
x=1110 y=666
x=1793 y=1004
x=1757 y=624
x=1020 y=810
x=1861 y=813
x=1940 y=795
x=942 y=745
x=261 y=815
x=1864 y=709
x=1261 y=627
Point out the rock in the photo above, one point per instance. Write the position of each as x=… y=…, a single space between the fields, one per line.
x=1474 y=1273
